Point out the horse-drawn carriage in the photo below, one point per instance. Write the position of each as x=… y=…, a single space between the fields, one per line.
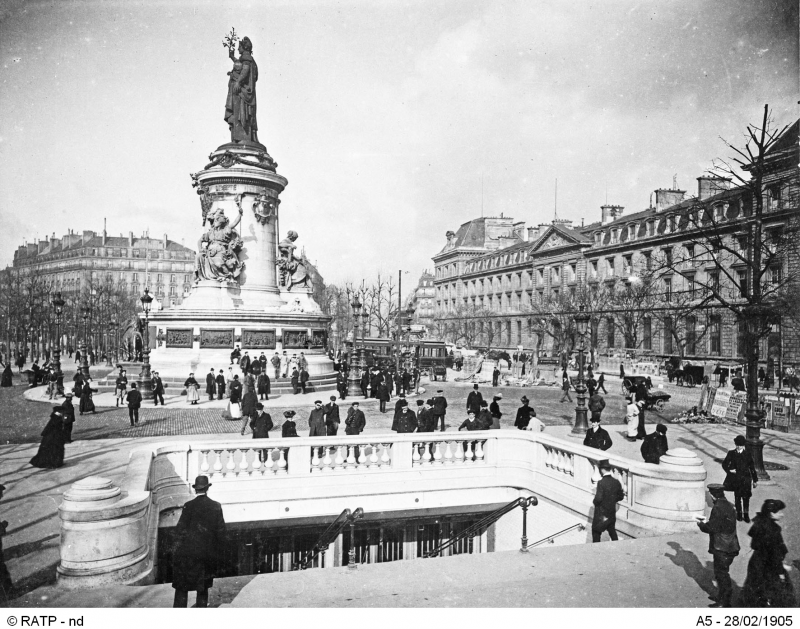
x=689 y=375
x=654 y=398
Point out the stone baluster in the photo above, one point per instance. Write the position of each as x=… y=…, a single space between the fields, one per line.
x=373 y=458
x=327 y=461
x=281 y=465
x=269 y=464
x=469 y=455
x=427 y=457
x=230 y=466
x=256 y=465
x=596 y=476
x=549 y=457
x=571 y=464
x=559 y=461
x=363 y=458
x=217 y=462
x=351 y=458
x=243 y=461
x=385 y=458
x=458 y=451
x=448 y=453
x=416 y=457
x=437 y=453
x=204 y=465
x=339 y=460
x=479 y=452
x=315 y=461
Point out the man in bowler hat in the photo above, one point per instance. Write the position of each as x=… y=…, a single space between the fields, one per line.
x=609 y=493
x=723 y=544
x=740 y=469
x=200 y=534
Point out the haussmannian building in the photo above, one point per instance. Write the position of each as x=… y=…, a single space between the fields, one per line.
x=498 y=265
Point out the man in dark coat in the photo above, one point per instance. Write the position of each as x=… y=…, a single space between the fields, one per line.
x=199 y=538
x=484 y=417
x=405 y=421
x=383 y=395
x=655 y=445
x=495 y=376
x=341 y=385
x=303 y=379
x=235 y=355
x=398 y=383
x=601 y=383
x=406 y=381
x=220 y=380
x=596 y=405
x=134 y=400
x=263 y=386
x=439 y=410
x=609 y=493
x=424 y=418
x=355 y=422
x=244 y=363
x=316 y=421
x=524 y=414
x=641 y=396
x=68 y=411
x=375 y=379
x=296 y=382
x=250 y=406
x=597 y=437
x=262 y=360
x=474 y=400
x=211 y=385
x=365 y=384
x=723 y=544
x=332 y=417
x=260 y=423
x=158 y=389
x=255 y=368
x=591 y=386
x=740 y=470
x=737 y=382
x=276 y=365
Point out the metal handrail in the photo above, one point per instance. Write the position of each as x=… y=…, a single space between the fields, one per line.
x=329 y=535
x=578 y=526
x=485 y=522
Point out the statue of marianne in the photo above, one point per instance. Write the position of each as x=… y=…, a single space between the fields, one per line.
x=240 y=107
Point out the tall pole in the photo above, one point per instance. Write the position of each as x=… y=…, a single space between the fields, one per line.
x=84 y=365
x=581 y=425
x=353 y=380
x=397 y=332
x=147 y=382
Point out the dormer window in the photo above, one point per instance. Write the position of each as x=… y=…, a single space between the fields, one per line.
x=631 y=232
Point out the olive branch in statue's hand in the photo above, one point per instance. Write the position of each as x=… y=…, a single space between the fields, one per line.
x=230 y=41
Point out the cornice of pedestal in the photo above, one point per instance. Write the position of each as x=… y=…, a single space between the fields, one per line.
x=234 y=163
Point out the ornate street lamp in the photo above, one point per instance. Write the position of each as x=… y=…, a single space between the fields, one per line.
x=353 y=378
x=112 y=329
x=147 y=381
x=409 y=317
x=581 y=426
x=86 y=312
x=362 y=359
x=58 y=309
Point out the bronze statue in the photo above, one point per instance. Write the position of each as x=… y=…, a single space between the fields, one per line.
x=240 y=107
x=217 y=257
x=292 y=267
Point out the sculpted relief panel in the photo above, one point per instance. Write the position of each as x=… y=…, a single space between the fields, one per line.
x=258 y=339
x=216 y=339
x=180 y=337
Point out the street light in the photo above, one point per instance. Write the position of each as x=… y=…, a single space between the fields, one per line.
x=581 y=426
x=409 y=318
x=58 y=309
x=86 y=311
x=353 y=379
x=109 y=339
x=147 y=382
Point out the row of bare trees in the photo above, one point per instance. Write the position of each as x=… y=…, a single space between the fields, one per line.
x=28 y=320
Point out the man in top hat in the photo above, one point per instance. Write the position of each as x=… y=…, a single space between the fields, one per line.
x=655 y=445
x=211 y=385
x=68 y=411
x=316 y=421
x=474 y=400
x=524 y=414
x=134 y=399
x=439 y=409
x=495 y=375
x=597 y=437
x=723 y=544
x=199 y=536
x=740 y=470
x=609 y=493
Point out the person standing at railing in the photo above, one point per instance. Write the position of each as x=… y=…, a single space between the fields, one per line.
x=609 y=493
x=597 y=437
x=332 y=419
x=494 y=410
x=655 y=445
x=383 y=395
x=289 y=426
x=260 y=424
x=405 y=421
x=524 y=414
x=474 y=400
x=425 y=421
x=355 y=421
x=484 y=417
x=439 y=409
x=316 y=420
x=471 y=422
x=200 y=538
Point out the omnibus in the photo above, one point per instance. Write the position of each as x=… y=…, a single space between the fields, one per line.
x=426 y=355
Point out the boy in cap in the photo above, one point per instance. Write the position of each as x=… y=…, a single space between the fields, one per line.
x=723 y=544
x=199 y=535
x=609 y=493
x=740 y=470
x=316 y=421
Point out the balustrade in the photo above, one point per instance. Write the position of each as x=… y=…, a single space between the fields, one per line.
x=559 y=460
x=244 y=462
x=369 y=455
x=448 y=452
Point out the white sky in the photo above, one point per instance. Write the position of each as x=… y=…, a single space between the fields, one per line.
x=384 y=116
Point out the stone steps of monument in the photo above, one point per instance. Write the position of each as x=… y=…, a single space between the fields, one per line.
x=325 y=382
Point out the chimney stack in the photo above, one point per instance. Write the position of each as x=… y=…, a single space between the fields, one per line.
x=130 y=239
x=667 y=198
x=710 y=186
x=609 y=213
x=104 y=232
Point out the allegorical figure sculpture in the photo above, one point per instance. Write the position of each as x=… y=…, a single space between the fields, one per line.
x=217 y=257
x=292 y=267
x=240 y=107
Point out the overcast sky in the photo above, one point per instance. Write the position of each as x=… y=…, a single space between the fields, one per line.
x=386 y=117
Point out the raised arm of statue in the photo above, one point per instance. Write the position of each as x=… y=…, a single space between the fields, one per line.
x=238 y=219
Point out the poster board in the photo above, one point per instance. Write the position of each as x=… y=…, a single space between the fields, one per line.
x=720 y=406
x=736 y=407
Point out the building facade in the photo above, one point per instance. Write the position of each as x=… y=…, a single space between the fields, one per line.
x=423 y=300
x=80 y=259
x=493 y=275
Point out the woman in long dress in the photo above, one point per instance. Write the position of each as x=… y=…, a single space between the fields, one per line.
x=51 y=448
x=7 y=380
x=192 y=389
x=87 y=405
x=234 y=407
x=767 y=583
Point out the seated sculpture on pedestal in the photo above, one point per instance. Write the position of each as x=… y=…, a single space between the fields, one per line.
x=292 y=268
x=217 y=257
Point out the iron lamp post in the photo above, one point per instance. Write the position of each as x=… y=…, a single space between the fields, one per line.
x=147 y=381
x=353 y=379
x=86 y=312
x=581 y=426
x=58 y=309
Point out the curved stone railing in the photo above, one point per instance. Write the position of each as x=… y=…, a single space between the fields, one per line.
x=109 y=534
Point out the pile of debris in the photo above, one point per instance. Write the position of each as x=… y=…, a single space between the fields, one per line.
x=694 y=416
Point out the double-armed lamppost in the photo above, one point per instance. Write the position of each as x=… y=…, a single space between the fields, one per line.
x=581 y=426
x=58 y=309
x=86 y=312
x=353 y=378
x=147 y=381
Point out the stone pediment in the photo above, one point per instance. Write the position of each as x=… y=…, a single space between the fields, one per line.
x=554 y=239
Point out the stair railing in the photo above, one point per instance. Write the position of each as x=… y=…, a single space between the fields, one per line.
x=550 y=538
x=329 y=536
